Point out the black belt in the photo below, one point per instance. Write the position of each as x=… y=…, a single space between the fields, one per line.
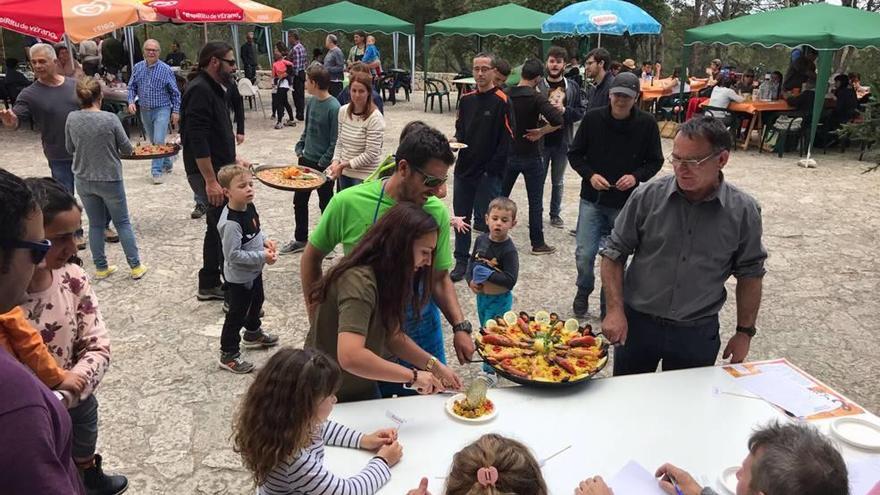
x=676 y=323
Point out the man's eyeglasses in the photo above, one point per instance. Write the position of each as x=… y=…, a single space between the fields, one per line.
x=38 y=249
x=230 y=61
x=430 y=180
x=678 y=162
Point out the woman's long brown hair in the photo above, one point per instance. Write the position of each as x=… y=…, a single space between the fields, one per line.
x=277 y=416
x=387 y=247
x=367 y=81
x=518 y=471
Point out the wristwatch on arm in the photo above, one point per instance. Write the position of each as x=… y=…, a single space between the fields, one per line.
x=463 y=326
x=750 y=331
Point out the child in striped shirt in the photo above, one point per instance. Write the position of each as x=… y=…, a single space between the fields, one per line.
x=282 y=427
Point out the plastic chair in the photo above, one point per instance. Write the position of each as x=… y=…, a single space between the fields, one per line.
x=726 y=117
x=250 y=93
x=793 y=125
x=439 y=89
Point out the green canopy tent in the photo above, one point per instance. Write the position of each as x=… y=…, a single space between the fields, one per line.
x=827 y=28
x=505 y=20
x=349 y=17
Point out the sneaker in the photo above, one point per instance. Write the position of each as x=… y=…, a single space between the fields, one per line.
x=158 y=179
x=98 y=483
x=573 y=233
x=226 y=309
x=168 y=170
x=199 y=211
x=214 y=293
x=235 y=364
x=279 y=125
x=290 y=123
x=138 y=272
x=110 y=235
x=543 y=249
x=262 y=340
x=581 y=305
x=106 y=272
x=80 y=243
x=293 y=247
x=458 y=272
x=557 y=222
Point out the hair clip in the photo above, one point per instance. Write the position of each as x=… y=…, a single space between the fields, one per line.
x=487 y=476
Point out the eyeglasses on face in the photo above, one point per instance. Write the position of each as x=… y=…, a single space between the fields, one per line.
x=691 y=163
x=38 y=249
x=230 y=61
x=430 y=180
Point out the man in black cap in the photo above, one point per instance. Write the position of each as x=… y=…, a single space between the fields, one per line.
x=615 y=148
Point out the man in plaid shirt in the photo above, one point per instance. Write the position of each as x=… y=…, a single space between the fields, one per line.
x=300 y=60
x=153 y=84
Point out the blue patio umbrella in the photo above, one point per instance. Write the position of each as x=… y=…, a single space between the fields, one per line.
x=601 y=17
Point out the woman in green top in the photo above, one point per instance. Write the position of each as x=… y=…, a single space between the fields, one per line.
x=361 y=306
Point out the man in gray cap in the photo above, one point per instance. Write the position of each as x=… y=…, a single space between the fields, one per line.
x=615 y=148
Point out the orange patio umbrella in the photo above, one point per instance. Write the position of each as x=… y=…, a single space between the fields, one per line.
x=215 y=11
x=79 y=19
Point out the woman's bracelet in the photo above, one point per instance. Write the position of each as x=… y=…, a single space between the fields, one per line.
x=415 y=377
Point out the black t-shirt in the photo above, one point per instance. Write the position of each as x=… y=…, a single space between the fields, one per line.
x=555 y=138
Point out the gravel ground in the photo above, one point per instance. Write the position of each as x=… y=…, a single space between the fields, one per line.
x=166 y=408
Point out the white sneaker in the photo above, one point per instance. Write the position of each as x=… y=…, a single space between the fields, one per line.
x=158 y=179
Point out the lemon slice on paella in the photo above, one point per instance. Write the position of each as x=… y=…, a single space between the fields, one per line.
x=490 y=323
x=510 y=318
x=572 y=325
x=542 y=317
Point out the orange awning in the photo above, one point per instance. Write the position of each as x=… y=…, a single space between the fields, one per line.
x=79 y=19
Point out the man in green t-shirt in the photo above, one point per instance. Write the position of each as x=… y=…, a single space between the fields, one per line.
x=423 y=161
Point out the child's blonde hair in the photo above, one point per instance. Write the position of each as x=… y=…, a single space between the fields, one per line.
x=229 y=172
x=502 y=203
x=518 y=473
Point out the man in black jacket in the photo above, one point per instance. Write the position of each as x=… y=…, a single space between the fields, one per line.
x=615 y=148
x=208 y=144
x=249 y=58
x=566 y=95
x=527 y=106
x=482 y=124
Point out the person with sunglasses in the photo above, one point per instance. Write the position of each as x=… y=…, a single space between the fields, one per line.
x=423 y=160
x=684 y=235
x=32 y=418
x=208 y=142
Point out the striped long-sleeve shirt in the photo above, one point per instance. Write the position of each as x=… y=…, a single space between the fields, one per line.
x=154 y=85
x=304 y=474
x=360 y=142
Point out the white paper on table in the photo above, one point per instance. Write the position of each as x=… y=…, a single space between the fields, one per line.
x=634 y=479
x=783 y=386
x=864 y=476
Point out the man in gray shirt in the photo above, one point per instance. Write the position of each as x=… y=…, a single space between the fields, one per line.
x=334 y=62
x=47 y=102
x=687 y=233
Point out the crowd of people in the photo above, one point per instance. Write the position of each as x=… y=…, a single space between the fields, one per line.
x=375 y=317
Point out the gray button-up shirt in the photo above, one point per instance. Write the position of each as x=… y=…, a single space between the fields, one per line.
x=684 y=252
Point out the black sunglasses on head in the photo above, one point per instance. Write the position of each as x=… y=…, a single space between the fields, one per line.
x=430 y=180
x=38 y=249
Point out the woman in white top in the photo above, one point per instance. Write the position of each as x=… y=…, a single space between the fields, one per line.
x=361 y=131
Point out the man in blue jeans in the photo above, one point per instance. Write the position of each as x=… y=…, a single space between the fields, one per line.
x=615 y=148
x=47 y=102
x=482 y=124
x=566 y=95
x=153 y=84
x=526 y=107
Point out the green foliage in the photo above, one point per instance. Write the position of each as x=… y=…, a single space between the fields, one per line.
x=867 y=131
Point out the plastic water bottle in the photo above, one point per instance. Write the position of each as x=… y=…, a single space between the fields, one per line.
x=764 y=89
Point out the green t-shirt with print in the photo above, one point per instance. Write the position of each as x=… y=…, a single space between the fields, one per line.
x=351 y=212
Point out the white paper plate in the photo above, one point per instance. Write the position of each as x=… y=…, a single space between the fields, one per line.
x=482 y=419
x=857 y=432
x=727 y=479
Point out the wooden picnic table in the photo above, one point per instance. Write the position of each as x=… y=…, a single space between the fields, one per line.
x=754 y=108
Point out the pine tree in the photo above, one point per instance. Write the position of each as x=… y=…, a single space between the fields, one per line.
x=867 y=131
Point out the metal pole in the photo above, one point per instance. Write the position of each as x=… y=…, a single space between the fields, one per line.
x=268 y=44
x=235 y=43
x=129 y=38
x=599 y=43
x=395 y=41
x=412 y=54
x=205 y=25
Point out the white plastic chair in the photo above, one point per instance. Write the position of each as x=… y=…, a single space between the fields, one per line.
x=247 y=90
